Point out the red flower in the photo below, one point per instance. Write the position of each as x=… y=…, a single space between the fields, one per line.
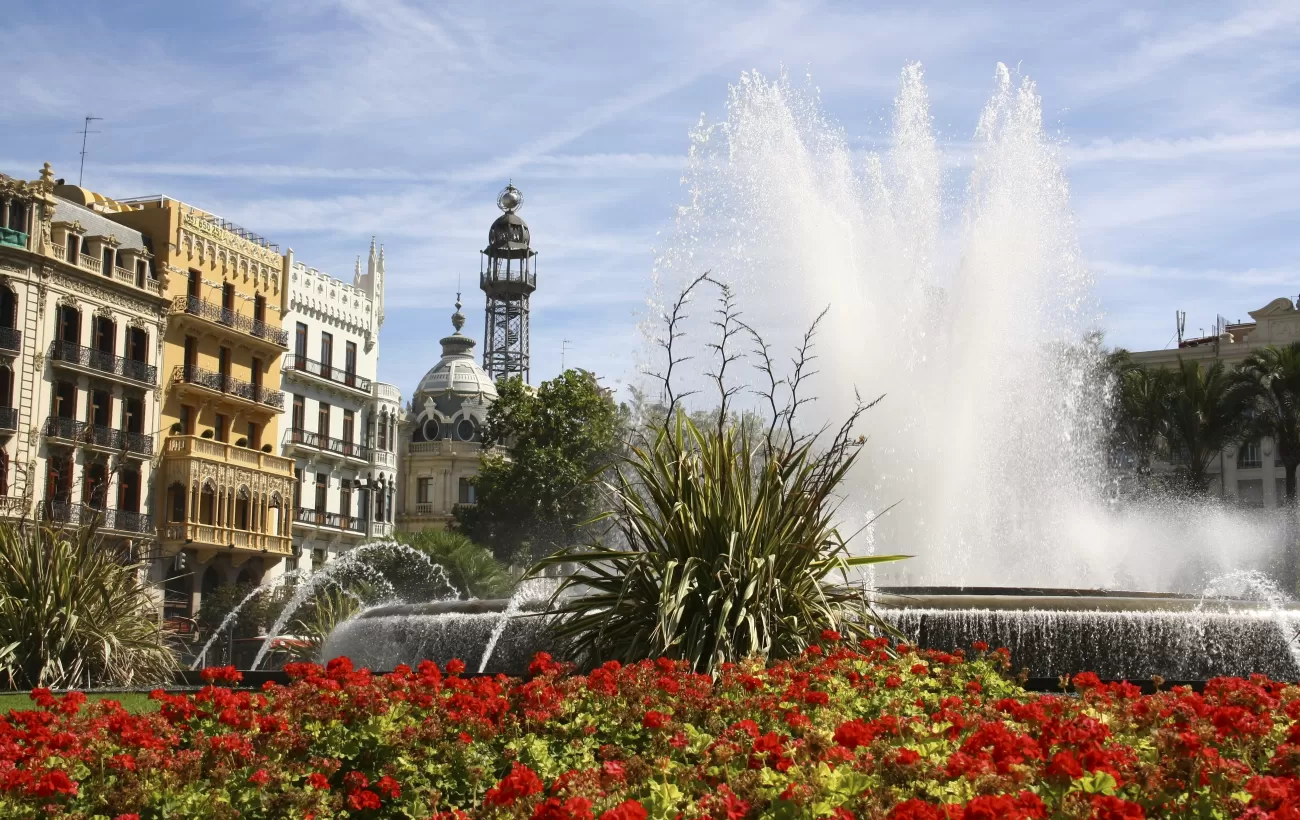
x=132 y=816
x=980 y=646
x=920 y=669
x=830 y=636
x=654 y=720
x=916 y=810
x=222 y=674
x=388 y=787
x=1086 y=680
x=521 y=782
x=1105 y=807
x=455 y=666
x=893 y=682
x=1065 y=765
x=627 y=810
x=574 y=808
x=260 y=777
x=318 y=781
x=364 y=799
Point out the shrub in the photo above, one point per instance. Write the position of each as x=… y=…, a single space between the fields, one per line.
x=72 y=613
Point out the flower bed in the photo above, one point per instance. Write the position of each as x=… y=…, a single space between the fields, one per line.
x=843 y=732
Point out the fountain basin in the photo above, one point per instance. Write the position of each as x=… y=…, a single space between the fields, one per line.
x=1050 y=632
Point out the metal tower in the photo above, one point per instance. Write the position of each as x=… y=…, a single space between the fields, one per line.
x=508 y=275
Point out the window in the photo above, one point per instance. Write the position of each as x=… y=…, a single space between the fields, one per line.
x=191 y=351
x=223 y=366
x=6 y=386
x=96 y=485
x=207 y=505
x=69 y=324
x=254 y=435
x=467 y=494
x=297 y=488
x=465 y=430
x=58 y=479
x=1248 y=455
x=241 y=510
x=318 y=557
x=8 y=308
x=345 y=502
x=300 y=346
x=132 y=414
x=228 y=303
x=299 y=416
x=425 y=489
x=101 y=408
x=219 y=427
x=107 y=266
x=4 y=472
x=1251 y=493
x=74 y=249
x=349 y=421
x=137 y=344
x=259 y=307
x=256 y=370
x=350 y=363
x=187 y=420
x=176 y=502
x=128 y=490
x=383 y=435
x=141 y=268
x=105 y=335
x=195 y=290
x=326 y=350
x=65 y=400
x=322 y=487
x=323 y=420
x=392 y=432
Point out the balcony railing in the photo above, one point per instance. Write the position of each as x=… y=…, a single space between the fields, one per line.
x=11 y=340
x=9 y=419
x=195 y=306
x=488 y=278
x=9 y=236
x=221 y=537
x=380 y=458
x=221 y=383
x=64 y=428
x=218 y=451
x=63 y=512
x=121 y=440
x=320 y=518
x=91 y=263
x=327 y=444
x=103 y=361
x=302 y=364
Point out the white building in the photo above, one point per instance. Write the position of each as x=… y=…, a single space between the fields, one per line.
x=342 y=422
x=81 y=312
x=1250 y=472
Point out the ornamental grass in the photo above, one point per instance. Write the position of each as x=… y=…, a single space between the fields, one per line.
x=845 y=730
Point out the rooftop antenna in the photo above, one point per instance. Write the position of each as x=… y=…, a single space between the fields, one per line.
x=85 y=132
x=1180 y=316
x=564 y=347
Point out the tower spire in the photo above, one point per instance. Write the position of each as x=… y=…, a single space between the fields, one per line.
x=508 y=277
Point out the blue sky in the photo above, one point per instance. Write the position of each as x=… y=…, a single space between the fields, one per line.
x=319 y=123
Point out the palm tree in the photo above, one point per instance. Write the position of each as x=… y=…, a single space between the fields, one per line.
x=1142 y=412
x=470 y=568
x=1208 y=410
x=1272 y=376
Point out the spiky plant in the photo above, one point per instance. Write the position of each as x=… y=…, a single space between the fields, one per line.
x=471 y=568
x=723 y=537
x=72 y=613
x=315 y=621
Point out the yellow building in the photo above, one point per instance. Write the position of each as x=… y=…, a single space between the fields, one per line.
x=222 y=495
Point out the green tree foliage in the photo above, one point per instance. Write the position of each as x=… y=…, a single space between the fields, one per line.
x=1208 y=409
x=535 y=493
x=472 y=569
x=73 y=613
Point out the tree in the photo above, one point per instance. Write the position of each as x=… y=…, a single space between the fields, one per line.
x=470 y=568
x=1272 y=376
x=1208 y=409
x=534 y=494
x=1141 y=410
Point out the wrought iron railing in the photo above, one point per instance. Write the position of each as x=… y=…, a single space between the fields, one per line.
x=64 y=512
x=195 y=306
x=103 y=361
x=9 y=418
x=11 y=339
x=100 y=436
x=491 y=277
x=330 y=445
x=65 y=428
x=193 y=374
x=348 y=378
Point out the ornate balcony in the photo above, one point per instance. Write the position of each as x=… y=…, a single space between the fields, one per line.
x=64 y=429
x=98 y=436
x=334 y=521
x=208 y=380
x=12 y=238
x=218 y=315
x=326 y=444
x=294 y=365
x=8 y=419
x=124 y=521
x=11 y=340
x=99 y=362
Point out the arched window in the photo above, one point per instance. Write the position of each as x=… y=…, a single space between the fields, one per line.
x=241 y=509
x=392 y=433
x=383 y=431
x=207 y=504
x=211 y=581
x=247 y=577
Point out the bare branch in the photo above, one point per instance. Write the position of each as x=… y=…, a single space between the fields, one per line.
x=802 y=362
x=673 y=321
x=727 y=321
x=768 y=369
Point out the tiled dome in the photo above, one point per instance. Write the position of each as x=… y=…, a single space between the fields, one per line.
x=456 y=374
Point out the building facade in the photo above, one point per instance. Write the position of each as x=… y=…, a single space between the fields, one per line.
x=223 y=495
x=81 y=324
x=342 y=420
x=442 y=435
x=1249 y=472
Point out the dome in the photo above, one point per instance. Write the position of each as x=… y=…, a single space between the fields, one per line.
x=508 y=232
x=456 y=375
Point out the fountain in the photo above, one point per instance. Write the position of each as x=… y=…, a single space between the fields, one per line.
x=964 y=299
